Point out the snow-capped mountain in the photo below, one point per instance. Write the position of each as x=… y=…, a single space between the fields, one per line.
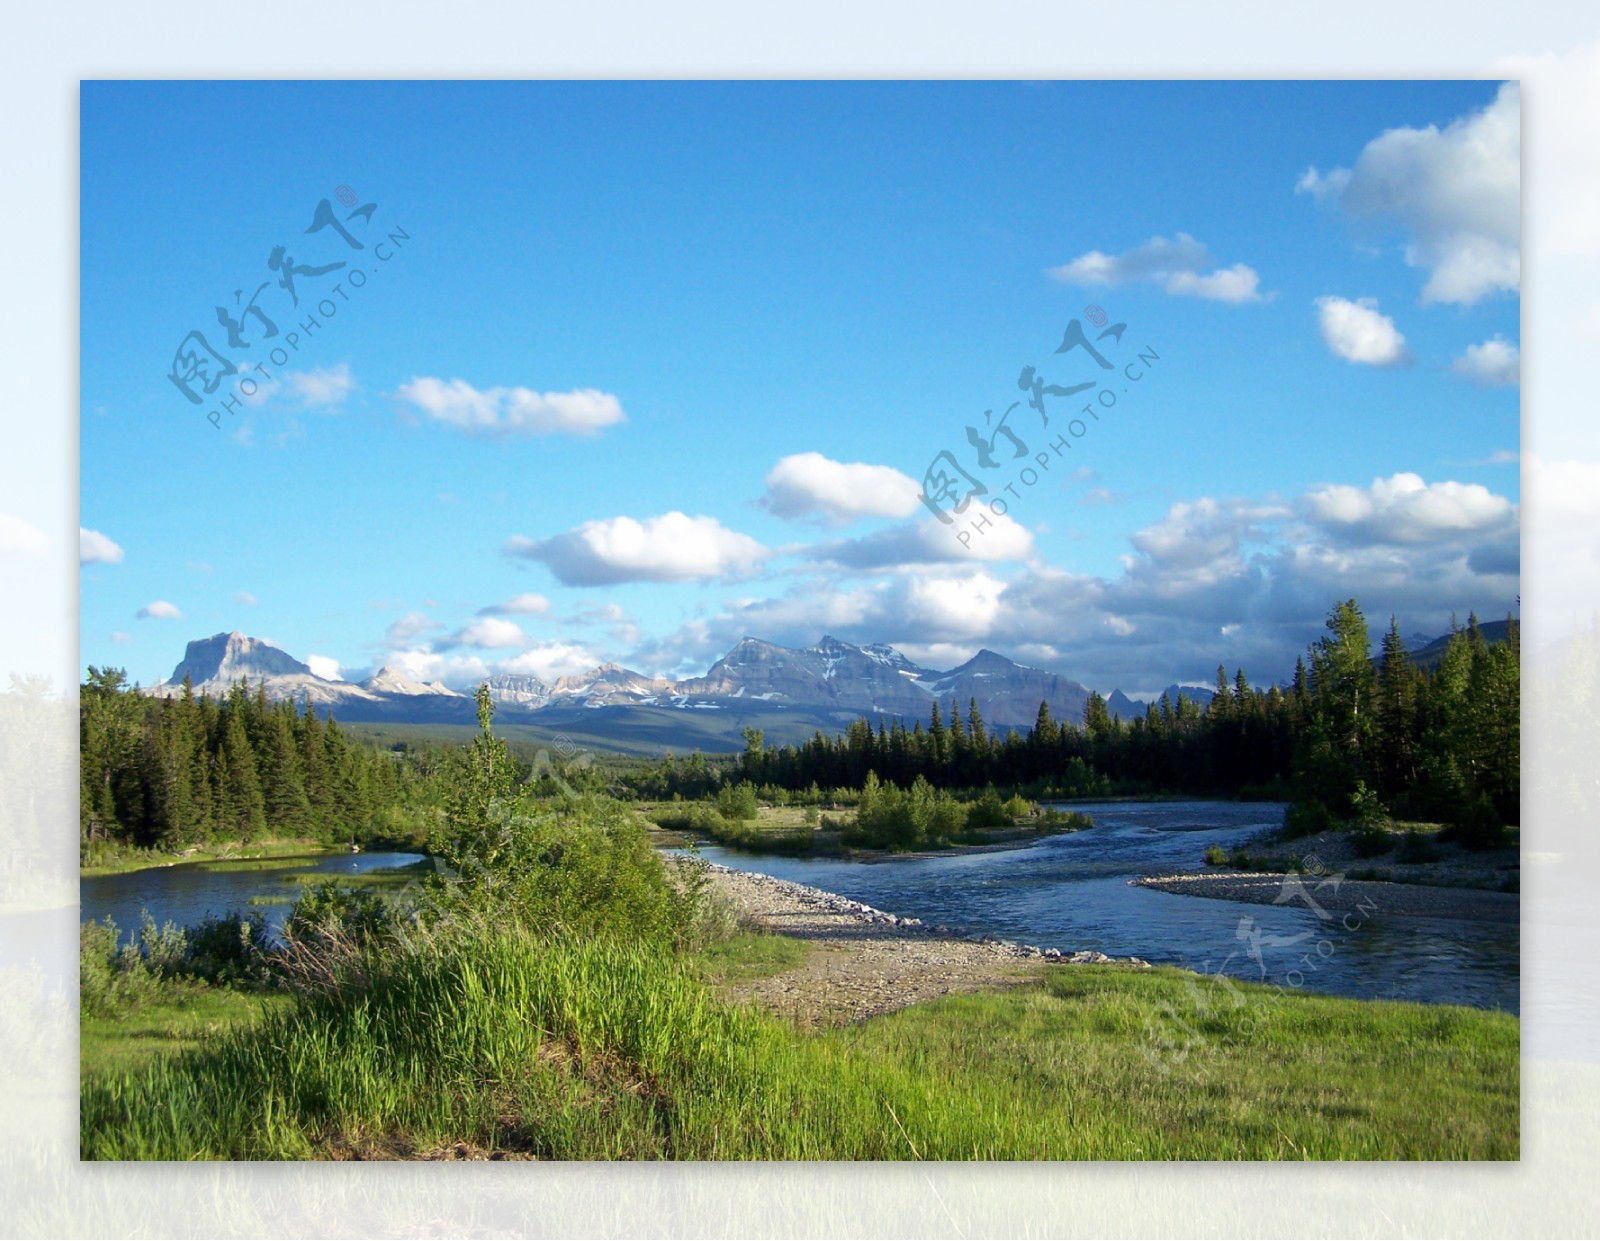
x=826 y=685
x=214 y=665
x=389 y=680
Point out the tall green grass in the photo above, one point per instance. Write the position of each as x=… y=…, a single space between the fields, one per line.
x=608 y=1049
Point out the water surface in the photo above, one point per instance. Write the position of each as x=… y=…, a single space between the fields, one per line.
x=192 y=891
x=1072 y=892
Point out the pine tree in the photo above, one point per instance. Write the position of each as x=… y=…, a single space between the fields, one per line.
x=243 y=814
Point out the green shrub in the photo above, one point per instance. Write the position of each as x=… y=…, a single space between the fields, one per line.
x=328 y=912
x=1216 y=855
x=989 y=810
x=1306 y=818
x=1369 y=823
x=568 y=866
x=738 y=801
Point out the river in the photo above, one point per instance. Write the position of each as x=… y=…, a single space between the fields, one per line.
x=189 y=892
x=1072 y=892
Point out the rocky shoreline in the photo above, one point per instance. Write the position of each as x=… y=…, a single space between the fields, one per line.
x=1368 y=898
x=867 y=961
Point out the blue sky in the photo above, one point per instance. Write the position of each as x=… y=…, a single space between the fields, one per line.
x=604 y=398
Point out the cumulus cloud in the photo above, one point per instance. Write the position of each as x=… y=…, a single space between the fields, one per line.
x=324 y=667
x=1357 y=332
x=423 y=663
x=408 y=628
x=1176 y=266
x=511 y=411
x=1455 y=192
x=160 y=609
x=550 y=660
x=808 y=484
x=1404 y=509
x=489 y=633
x=1496 y=363
x=929 y=542
x=246 y=598
x=1248 y=580
x=322 y=389
x=93 y=547
x=670 y=548
x=529 y=604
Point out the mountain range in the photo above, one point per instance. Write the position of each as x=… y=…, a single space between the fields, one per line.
x=789 y=693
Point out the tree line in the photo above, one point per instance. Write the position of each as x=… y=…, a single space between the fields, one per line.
x=1437 y=745
x=172 y=772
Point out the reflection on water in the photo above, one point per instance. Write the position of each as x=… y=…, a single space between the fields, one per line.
x=187 y=893
x=1072 y=892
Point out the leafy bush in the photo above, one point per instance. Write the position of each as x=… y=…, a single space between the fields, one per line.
x=567 y=866
x=1216 y=855
x=737 y=801
x=889 y=818
x=328 y=912
x=989 y=810
x=1051 y=819
x=1306 y=818
x=1369 y=823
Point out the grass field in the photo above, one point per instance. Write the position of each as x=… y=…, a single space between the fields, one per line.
x=601 y=1050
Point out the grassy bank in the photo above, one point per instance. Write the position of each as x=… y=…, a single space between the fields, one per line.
x=179 y=1019
x=106 y=858
x=112 y=859
x=601 y=1049
x=794 y=831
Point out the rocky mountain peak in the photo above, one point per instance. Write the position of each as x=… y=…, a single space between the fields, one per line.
x=227 y=657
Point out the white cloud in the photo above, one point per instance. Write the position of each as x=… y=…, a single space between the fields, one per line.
x=929 y=541
x=1403 y=509
x=1496 y=363
x=809 y=484
x=1175 y=266
x=159 y=610
x=490 y=632
x=670 y=548
x=93 y=547
x=953 y=608
x=1357 y=332
x=511 y=411
x=246 y=598
x=529 y=604
x=323 y=389
x=1456 y=193
x=550 y=660
x=423 y=664
x=409 y=627
x=1260 y=572
x=324 y=667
